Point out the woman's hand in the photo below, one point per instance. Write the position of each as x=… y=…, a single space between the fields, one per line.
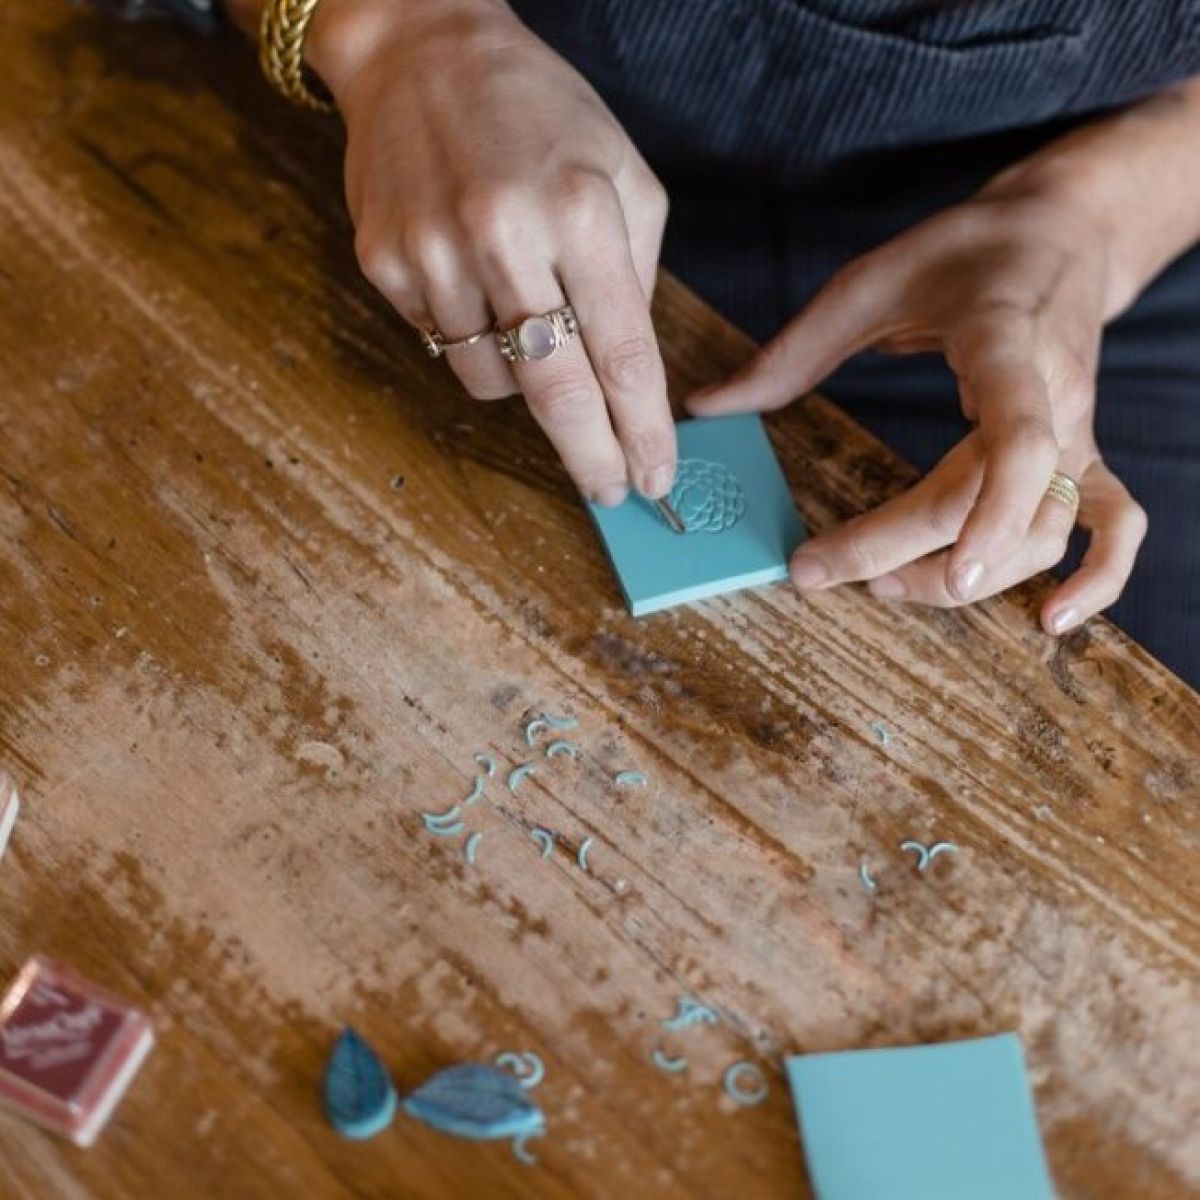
x=488 y=182
x=1014 y=288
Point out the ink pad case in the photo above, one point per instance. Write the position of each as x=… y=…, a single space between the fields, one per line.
x=68 y=1050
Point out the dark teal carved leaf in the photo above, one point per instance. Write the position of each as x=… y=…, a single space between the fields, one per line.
x=474 y=1100
x=359 y=1098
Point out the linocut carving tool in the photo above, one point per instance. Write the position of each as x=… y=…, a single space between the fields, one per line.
x=669 y=514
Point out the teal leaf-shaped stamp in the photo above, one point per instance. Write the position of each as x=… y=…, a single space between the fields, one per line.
x=359 y=1098
x=475 y=1100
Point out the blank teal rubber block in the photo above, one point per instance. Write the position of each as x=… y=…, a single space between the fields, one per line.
x=658 y=568
x=948 y=1122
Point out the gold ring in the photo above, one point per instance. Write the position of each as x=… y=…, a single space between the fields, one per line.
x=1064 y=489
x=436 y=343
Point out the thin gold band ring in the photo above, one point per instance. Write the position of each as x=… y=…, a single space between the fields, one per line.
x=1064 y=489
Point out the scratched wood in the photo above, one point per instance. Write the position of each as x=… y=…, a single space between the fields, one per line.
x=238 y=661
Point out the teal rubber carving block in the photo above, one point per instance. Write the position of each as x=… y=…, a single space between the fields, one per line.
x=948 y=1122
x=742 y=522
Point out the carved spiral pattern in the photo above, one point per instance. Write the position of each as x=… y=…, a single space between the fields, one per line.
x=707 y=496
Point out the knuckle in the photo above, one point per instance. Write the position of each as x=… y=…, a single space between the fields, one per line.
x=1138 y=521
x=646 y=445
x=1107 y=591
x=1076 y=389
x=427 y=244
x=562 y=400
x=1030 y=436
x=630 y=364
x=492 y=213
x=1048 y=549
x=656 y=200
x=947 y=512
x=380 y=261
x=857 y=559
x=581 y=198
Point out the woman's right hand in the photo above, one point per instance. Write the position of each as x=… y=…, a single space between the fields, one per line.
x=488 y=182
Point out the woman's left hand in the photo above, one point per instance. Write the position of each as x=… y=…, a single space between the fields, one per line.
x=1013 y=288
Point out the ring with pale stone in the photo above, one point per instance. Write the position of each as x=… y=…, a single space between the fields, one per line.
x=538 y=336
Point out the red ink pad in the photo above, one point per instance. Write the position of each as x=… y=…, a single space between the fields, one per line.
x=68 y=1050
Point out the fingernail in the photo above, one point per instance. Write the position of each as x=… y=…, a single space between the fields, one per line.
x=658 y=482
x=808 y=571
x=965 y=578
x=887 y=587
x=611 y=494
x=1063 y=620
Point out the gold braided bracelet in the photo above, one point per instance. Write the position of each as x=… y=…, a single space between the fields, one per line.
x=281 y=51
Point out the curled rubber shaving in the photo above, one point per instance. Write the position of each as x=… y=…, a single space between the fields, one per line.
x=527 y=1067
x=865 y=875
x=471 y=849
x=553 y=722
x=940 y=848
x=533 y=728
x=562 y=746
x=446 y=830
x=582 y=853
x=433 y=820
x=666 y=1063
x=545 y=839
x=517 y=774
x=690 y=1012
x=882 y=732
x=922 y=854
x=740 y=1095
x=522 y=1154
x=476 y=790
x=487 y=762
x=630 y=778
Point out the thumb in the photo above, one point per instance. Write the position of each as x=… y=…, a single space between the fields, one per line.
x=841 y=319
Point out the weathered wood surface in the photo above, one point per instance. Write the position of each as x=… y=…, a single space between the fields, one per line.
x=237 y=663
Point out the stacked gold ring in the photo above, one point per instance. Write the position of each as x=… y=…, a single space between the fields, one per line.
x=1064 y=489
x=281 y=51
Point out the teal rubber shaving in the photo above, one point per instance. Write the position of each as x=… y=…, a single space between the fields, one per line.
x=545 y=839
x=865 y=875
x=487 y=762
x=630 y=778
x=562 y=746
x=939 y=848
x=738 y=1094
x=433 y=820
x=471 y=849
x=446 y=830
x=532 y=729
x=517 y=774
x=553 y=722
x=922 y=854
x=522 y=1154
x=476 y=790
x=690 y=1012
x=882 y=732
x=582 y=853
x=665 y=1063
x=527 y=1067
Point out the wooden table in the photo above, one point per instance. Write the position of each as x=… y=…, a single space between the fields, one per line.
x=240 y=658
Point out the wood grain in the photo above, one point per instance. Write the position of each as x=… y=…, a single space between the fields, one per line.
x=238 y=662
